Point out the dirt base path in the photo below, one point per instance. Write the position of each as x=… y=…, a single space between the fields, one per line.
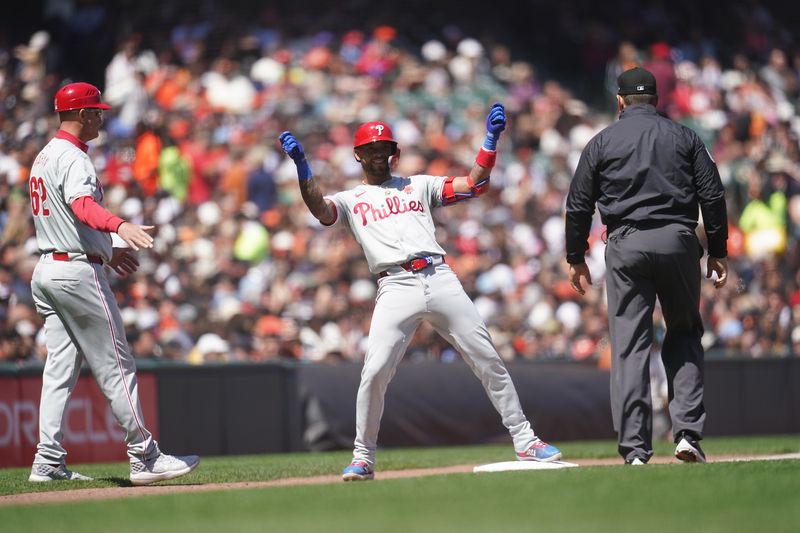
x=111 y=493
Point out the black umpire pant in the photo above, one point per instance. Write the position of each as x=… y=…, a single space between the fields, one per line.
x=643 y=263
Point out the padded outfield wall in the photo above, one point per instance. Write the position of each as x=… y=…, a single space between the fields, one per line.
x=280 y=407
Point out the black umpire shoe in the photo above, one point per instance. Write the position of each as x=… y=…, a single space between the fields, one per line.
x=688 y=449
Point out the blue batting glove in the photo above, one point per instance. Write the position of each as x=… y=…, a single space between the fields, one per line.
x=495 y=124
x=294 y=150
x=496 y=120
x=291 y=146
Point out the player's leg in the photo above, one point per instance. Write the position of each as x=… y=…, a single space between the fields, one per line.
x=398 y=307
x=682 y=353
x=454 y=316
x=93 y=318
x=631 y=301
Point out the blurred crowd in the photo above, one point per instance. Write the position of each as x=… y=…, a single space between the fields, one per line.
x=242 y=272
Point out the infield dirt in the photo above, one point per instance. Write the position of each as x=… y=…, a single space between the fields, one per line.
x=111 y=493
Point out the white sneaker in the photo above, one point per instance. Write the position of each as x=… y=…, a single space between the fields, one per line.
x=688 y=450
x=161 y=468
x=637 y=462
x=42 y=473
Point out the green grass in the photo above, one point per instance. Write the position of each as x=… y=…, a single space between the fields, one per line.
x=759 y=496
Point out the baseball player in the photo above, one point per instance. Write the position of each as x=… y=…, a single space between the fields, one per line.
x=72 y=293
x=390 y=217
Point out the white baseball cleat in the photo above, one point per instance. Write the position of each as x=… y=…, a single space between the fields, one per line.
x=42 y=473
x=162 y=467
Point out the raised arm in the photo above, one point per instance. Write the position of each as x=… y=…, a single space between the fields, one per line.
x=477 y=183
x=312 y=196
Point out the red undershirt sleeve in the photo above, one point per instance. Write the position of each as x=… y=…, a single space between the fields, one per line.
x=94 y=215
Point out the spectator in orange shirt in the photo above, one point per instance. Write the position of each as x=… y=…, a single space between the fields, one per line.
x=145 y=166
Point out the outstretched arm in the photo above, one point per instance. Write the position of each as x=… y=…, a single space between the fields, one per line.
x=88 y=211
x=312 y=196
x=477 y=182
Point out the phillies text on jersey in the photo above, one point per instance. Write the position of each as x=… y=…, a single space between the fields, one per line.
x=392 y=221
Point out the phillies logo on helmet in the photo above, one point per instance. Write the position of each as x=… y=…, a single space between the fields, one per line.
x=371 y=132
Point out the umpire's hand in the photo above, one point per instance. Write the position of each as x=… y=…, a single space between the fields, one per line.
x=720 y=266
x=576 y=272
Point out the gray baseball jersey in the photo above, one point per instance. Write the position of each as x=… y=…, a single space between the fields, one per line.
x=393 y=224
x=71 y=292
x=61 y=173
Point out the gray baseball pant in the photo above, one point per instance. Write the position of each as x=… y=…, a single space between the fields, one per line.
x=642 y=265
x=435 y=294
x=82 y=317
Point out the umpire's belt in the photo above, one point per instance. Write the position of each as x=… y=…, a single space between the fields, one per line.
x=66 y=256
x=415 y=265
x=630 y=225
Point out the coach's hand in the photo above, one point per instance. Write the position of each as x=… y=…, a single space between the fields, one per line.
x=135 y=235
x=720 y=266
x=123 y=262
x=496 y=120
x=576 y=272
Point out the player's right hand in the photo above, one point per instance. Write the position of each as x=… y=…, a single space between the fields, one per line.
x=496 y=119
x=291 y=146
x=135 y=235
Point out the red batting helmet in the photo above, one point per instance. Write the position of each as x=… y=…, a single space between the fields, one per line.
x=370 y=132
x=78 y=95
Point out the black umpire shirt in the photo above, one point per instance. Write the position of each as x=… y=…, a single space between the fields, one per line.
x=645 y=170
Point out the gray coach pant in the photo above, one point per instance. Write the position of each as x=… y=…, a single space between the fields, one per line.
x=642 y=264
x=82 y=319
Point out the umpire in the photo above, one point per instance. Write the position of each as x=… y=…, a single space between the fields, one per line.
x=648 y=175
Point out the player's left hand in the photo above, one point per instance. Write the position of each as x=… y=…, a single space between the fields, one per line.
x=576 y=272
x=496 y=119
x=123 y=262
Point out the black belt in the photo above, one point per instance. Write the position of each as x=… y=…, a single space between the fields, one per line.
x=417 y=264
x=644 y=224
x=64 y=256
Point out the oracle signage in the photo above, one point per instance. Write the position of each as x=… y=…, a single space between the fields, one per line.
x=91 y=433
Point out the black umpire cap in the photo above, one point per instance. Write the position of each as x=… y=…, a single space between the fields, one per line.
x=636 y=81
